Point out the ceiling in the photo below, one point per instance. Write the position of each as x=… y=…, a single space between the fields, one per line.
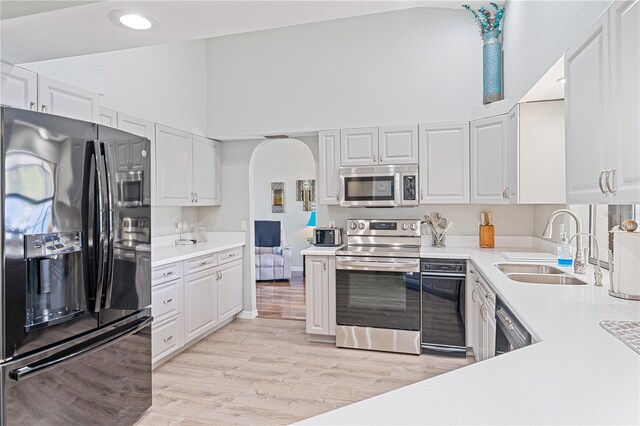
x=548 y=87
x=34 y=31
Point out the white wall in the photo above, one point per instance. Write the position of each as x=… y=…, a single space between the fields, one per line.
x=411 y=66
x=285 y=160
x=536 y=34
x=164 y=84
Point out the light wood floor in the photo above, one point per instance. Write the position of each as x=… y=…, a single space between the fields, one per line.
x=282 y=299
x=264 y=371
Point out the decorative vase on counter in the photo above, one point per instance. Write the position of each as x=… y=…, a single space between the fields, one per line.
x=491 y=67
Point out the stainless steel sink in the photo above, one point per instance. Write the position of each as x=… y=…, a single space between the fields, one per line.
x=546 y=279
x=524 y=268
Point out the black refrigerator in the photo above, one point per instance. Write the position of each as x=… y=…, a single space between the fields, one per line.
x=75 y=289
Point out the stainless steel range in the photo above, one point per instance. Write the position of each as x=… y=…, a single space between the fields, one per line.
x=378 y=286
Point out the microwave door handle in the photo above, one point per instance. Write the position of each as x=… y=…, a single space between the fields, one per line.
x=398 y=190
x=100 y=246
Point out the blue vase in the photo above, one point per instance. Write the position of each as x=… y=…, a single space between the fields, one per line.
x=491 y=67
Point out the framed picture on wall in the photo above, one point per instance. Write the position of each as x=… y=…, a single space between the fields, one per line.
x=277 y=197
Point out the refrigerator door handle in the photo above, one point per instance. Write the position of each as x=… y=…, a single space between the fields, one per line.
x=110 y=231
x=78 y=351
x=102 y=245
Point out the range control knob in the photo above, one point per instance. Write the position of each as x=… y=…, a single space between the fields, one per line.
x=414 y=226
x=361 y=225
x=405 y=226
x=353 y=225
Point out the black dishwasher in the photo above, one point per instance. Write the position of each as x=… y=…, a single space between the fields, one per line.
x=510 y=333
x=443 y=304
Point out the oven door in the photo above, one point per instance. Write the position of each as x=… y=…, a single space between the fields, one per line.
x=369 y=188
x=378 y=292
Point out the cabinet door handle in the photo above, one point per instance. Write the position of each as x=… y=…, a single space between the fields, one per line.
x=167 y=301
x=221 y=275
x=203 y=263
x=166 y=274
x=33 y=106
x=421 y=194
x=474 y=295
x=324 y=264
x=610 y=184
x=602 y=189
x=196 y=195
x=166 y=339
x=45 y=108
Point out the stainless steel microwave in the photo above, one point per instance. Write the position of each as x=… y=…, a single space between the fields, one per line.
x=327 y=237
x=379 y=186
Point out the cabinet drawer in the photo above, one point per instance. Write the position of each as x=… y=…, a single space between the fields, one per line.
x=166 y=337
x=165 y=273
x=166 y=300
x=229 y=255
x=200 y=263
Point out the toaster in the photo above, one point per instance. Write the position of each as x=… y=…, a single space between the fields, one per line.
x=327 y=237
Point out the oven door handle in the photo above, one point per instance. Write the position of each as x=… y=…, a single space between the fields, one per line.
x=359 y=265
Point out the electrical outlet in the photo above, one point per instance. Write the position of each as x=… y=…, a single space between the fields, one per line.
x=178 y=226
x=332 y=224
x=243 y=225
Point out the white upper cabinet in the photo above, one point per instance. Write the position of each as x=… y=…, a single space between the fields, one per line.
x=539 y=130
x=444 y=163
x=135 y=125
x=108 y=117
x=602 y=98
x=512 y=157
x=329 y=166
x=359 y=147
x=379 y=146
x=489 y=171
x=60 y=98
x=187 y=168
x=398 y=145
x=19 y=88
x=587 y=98
x=206 y=171
x=624 y=36
x=173 y=166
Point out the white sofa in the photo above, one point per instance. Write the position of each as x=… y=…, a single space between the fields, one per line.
x=274 y=263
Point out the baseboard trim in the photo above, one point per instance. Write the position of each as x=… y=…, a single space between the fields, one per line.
x=296 y=268
x=248 y=314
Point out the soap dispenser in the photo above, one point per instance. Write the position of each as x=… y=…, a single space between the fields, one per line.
x=564 y=249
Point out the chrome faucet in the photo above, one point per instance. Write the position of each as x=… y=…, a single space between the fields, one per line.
x=597 y=273
x=579 y=263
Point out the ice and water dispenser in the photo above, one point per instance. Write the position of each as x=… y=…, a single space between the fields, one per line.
x=55 y=288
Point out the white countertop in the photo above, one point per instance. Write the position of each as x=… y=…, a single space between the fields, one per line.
x=320 y=251
x=577 y=374
x=165 y=251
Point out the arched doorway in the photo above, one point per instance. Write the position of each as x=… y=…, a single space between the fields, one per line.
x=279 y=164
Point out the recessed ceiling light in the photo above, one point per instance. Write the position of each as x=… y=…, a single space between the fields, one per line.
x=133 y=20
x=561 y=80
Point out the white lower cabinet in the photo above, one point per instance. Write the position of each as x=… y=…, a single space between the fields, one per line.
x=200 y=290
x=192 y=298
x=230 y=290
x=320 y=276
x=481 y=326
x=166 y=337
